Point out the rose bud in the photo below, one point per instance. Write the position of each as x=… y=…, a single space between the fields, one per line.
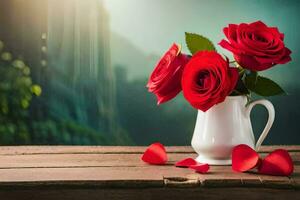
x=165 y=80
x=256 y=46
x=207 y=80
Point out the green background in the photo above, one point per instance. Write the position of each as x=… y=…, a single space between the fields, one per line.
x=99 y=55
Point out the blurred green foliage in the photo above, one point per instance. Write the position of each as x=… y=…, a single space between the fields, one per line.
x=64 y=132
x=16 y=93
x=18 y=125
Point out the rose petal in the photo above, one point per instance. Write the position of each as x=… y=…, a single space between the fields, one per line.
x=228 y=46
x=186 y=162
x=200 y=168
x=244 y=158
x=155 y=154
x=258 y=24
x=286 y=58
x=277 y=163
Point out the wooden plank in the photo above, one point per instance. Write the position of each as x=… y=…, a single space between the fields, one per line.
x=106 y=169
x=100 y=174
x=295 y=178
x=11 y=150
x=223 y=176
x=169 y=176
x=150 y=194
x=269 y=148
x=79 y=160
x=89 y=160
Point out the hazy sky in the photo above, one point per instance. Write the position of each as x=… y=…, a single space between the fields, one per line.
x=152 y=25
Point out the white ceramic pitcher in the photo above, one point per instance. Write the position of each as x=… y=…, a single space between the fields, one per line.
x=226 y=125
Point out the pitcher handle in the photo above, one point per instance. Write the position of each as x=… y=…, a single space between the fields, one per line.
x=271 y=112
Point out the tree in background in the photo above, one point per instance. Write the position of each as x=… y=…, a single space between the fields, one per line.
x=18 y=125
x=70 y=59
x=16 y=93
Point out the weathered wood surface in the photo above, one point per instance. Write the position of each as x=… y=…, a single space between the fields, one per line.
x=90 y=172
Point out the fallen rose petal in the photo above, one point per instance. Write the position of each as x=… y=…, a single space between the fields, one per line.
x=277 y=163
x=186 y=162
x=244 y=158
x=200 y=168
x=155 y=154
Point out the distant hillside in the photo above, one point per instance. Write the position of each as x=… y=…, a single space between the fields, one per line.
x=126 y=54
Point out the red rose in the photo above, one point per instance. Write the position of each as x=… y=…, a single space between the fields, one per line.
x=256 y=46
x=207 y=80
x=165 y=80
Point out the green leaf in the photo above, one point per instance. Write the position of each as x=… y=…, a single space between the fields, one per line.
x=24 y=103
x=36 y=89
x=197 y=43
x=263 y=86
x=250 y=79
x=240 y=89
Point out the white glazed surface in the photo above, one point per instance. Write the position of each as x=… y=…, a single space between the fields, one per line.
x=224 y=126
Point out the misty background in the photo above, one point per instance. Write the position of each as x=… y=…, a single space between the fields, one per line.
x=92 y=58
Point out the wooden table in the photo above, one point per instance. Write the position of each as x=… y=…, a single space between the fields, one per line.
x=77 y=172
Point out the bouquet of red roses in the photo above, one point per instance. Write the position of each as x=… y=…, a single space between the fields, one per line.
x=206 y=77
